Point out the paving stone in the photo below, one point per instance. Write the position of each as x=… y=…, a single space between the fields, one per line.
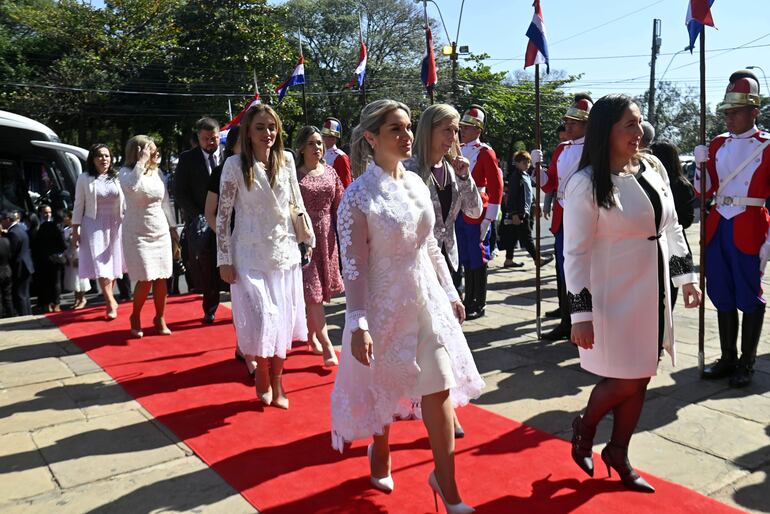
x=748 y=406
x=743 y=442
x=80 y=364
x=691 y=468
x=97 y=394
x=182 y=485
x=492 y=360
x=535 y=396
x=89 y=450
x=35 y=406
x=751 y=492
x=23 y=472
x=31 y=372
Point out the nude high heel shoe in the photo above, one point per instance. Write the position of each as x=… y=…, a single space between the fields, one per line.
x=383 y=484
x=136 y=327
x=456 y=508
x=161 y=327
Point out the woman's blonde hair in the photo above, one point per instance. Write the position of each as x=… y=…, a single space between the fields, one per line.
x=431 y=118
x=276 y=159
x=132 y=149
x=372 y=118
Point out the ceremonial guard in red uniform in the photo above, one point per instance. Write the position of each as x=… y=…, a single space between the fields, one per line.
x=334 y=157
x=737 y=248
x=564 y=163
x=473 y=234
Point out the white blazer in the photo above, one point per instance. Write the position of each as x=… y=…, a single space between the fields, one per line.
x=611 y=269
x=85 y=198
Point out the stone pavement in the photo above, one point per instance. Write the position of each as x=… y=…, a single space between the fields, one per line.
x=72 y=441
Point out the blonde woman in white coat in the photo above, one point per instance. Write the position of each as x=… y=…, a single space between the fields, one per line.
x=261 y=257
x=622 y=242
x=97 y=224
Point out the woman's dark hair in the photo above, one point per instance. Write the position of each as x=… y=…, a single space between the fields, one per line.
x=230 y=142
x=668 y=154
x=299 y=143
x=605 y=113
x=91 y=167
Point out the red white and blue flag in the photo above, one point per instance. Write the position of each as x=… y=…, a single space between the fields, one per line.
x=698 y=15
x=237 y=119
x=297 y=78
x=537 y=48
x=428 y=73
x=360 y=73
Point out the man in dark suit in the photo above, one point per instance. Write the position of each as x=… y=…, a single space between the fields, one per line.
x=20 y=261
x=190 y=188
x=6 y=278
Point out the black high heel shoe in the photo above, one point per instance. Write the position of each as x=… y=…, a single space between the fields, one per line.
x=616 y=457
x=582 y=445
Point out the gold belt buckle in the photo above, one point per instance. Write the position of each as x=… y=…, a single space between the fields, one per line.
x=727 y=200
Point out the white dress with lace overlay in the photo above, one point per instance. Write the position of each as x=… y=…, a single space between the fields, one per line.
x=397 y=280
x=267 y=296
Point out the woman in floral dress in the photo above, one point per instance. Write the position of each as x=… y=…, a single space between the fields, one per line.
x=321 y=192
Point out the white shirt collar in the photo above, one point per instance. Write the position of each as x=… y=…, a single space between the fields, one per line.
x=579 y=141
x=749 y=133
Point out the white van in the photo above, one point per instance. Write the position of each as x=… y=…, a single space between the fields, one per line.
x=35 y=167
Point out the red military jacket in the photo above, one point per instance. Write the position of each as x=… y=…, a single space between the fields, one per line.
x=487 y=176
x=340 y=161
x=726 y=152
x=564 y=163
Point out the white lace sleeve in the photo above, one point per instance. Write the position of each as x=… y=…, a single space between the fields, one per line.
x=442 y=270
x=228 y=191
x=353 y=233
x=131 y=177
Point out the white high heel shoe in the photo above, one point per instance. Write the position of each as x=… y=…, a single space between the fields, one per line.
x=384 y=483
x=456 y=508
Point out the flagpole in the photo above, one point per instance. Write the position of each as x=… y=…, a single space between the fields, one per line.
x=427 y=41
x=703 y=175
x=538 y=166
x=362 y=87
x=304 y=96
x=230 y=108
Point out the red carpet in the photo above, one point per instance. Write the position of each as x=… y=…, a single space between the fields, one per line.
x=282 y=461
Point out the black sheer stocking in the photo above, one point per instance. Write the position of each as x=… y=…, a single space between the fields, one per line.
x=625 y=397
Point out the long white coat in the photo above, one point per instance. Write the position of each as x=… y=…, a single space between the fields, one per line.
x=611 y=269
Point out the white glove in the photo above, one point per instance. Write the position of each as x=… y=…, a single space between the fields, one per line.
x=764 y=256
x=485 y=228
x=537 y=156
x=701 y=154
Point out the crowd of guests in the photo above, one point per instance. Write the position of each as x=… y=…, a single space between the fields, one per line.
x=286 y=230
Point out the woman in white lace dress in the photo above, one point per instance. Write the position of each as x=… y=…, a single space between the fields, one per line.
x=147 y=230
x=261 y=257
x=402 y=308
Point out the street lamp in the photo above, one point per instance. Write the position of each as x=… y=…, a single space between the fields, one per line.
x=763 y=74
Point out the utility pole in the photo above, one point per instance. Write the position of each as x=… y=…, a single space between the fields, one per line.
x=453 y=58
x=656 y=41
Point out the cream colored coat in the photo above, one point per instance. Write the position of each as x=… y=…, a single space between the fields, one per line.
x=85 y=199
x=611 y=269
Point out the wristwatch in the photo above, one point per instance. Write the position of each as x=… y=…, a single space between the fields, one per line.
x=362 y=324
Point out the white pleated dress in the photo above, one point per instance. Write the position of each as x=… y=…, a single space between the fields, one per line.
x=267 y=296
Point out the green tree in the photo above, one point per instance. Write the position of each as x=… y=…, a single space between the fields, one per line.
x=395 y=40
x=510 y=105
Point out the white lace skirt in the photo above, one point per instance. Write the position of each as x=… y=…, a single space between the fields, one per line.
x=268 y=311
